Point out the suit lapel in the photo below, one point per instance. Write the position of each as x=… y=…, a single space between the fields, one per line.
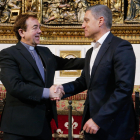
x=26 y=54
x=100 y=54
x=87 y=65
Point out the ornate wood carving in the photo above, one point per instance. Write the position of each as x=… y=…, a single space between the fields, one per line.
x=73 y=35
x=60 y=30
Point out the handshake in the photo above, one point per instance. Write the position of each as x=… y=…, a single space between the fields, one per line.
x=56 y=92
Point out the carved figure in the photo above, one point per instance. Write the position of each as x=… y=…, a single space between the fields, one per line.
x=64 y=11
x=52 y=11
x=55 y=10
x=14 y=4
x=116 y=11
x=31 y=6
x=2 y=6
x=133 y=11
x=68 y=14
x=81 y=8
x=11 y=4
x=4 y=13
x=5 y=16
x=116 y=5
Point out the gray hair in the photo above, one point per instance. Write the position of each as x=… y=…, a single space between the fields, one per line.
x=102 y=10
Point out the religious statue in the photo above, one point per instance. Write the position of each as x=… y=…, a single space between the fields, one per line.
x=68 y=14
x=9 y=6
x=116 y=6
x=53 y=11
x=81 y=8
x=31 y=6
x=2 y=6
x=64 y=12
x=14 y=4
x=58 y=12
x=133 y=11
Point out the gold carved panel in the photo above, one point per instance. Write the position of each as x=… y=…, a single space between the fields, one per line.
x=70 y=54
x=32 y=6
x=61 y=20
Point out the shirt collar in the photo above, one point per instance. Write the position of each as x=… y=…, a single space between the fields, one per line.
x=102 y=39
x=27 y=46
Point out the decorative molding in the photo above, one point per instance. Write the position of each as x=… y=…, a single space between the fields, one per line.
x=71 y=35
x=70 y=54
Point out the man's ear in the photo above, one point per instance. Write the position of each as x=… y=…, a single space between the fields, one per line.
x=21 y=32
x=101 y=21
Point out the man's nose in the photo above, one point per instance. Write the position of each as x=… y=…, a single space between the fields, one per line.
x=39 y=31
x=83 y=25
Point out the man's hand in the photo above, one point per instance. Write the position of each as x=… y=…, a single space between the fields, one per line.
x=56 y=92
x=91 y=127
x=58 y=87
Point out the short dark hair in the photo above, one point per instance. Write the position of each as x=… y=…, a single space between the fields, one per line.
x=20 y=23
x=102 y=10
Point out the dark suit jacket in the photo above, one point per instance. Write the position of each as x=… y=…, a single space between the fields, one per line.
x=109 y=88
x=24 y=112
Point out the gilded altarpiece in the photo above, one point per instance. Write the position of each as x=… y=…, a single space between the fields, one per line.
x=61 y=19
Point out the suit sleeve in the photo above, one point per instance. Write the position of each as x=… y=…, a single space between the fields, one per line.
x=13 y=81
x=76 y=86
x=69 y=64
x=124 y=70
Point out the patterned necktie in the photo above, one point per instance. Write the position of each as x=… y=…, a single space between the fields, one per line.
x=38 y=61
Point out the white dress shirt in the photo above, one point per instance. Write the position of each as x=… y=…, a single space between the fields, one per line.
x=96 y=49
